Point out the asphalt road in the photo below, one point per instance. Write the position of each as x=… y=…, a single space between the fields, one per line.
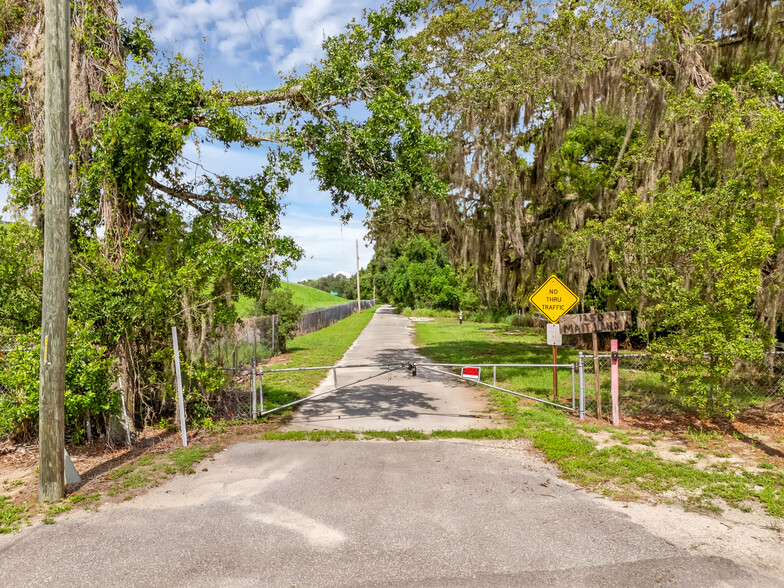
x=367 y=513
x=441 y=513
x=395 y=400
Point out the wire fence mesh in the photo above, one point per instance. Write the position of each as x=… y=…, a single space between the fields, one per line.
x=236 y=352
x=319 y=318
x=236 y=399
x=3 y=352
x=642 y=388
x=252 y=340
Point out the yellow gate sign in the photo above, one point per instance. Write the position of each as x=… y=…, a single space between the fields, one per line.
x=553 y=299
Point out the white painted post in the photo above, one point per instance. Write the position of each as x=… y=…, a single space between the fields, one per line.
x=616 y=419
x=180 y=400
x=581 y=368
x=261 y=391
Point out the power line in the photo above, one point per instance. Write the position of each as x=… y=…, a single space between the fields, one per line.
x=247 y=24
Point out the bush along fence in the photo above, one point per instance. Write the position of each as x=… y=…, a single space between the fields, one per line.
x=92 y=398
x=219 y=381
x=644 y=389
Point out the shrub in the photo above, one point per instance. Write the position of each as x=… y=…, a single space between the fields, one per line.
x=279 y=302
x=87 y=384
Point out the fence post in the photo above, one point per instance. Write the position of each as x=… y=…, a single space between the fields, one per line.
x=572 y=386
x=261 y=390
x=616 y=417
x=273 y=335
x=180 y=400
x=253 y=390
x=581 y=368
x=494 y=368
x=335 y=377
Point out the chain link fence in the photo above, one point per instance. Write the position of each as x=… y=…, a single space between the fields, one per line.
x=319 y=318
x=3 y=352
x=643 y=390
x=237 y=354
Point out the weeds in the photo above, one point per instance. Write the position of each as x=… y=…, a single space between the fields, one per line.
x=563 y=442
x=11 y=515
x=184 y=457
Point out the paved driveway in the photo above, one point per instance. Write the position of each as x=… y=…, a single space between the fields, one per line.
x=371 y=513
x=397 y=400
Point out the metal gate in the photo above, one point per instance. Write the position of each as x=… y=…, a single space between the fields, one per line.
x=435 y=367
x=257 y=408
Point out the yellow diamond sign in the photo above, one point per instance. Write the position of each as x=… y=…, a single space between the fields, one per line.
x=553 y=299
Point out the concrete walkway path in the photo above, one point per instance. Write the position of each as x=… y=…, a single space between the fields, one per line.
x=394 y=401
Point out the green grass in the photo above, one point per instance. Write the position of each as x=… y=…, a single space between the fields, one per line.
x=11 y=515
x=322 y=348
x=320 y=435
x=304 y=295
x=447 y=341
x=402 y=435
x=183 y=458
x=617 y=470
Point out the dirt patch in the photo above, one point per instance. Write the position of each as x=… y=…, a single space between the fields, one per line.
x=278 y=359
x=752 y=538
x=755 y=437
x=101 y=467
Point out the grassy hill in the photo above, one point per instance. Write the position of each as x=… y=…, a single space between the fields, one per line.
x=307 y=297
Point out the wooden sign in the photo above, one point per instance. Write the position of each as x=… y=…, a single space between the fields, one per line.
x=553 y=298
x=602 y=322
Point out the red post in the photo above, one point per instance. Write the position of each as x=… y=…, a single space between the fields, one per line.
x=616 y=418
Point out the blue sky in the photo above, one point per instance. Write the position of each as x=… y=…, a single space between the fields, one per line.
x=245 y=44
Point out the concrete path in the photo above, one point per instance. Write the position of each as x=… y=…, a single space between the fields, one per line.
x=364 y=513
x=395 y=401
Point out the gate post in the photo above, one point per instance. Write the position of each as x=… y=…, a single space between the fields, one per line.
x=581 y=368
x=253 y=412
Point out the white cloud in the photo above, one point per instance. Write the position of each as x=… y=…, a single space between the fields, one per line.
x=330 y=246
x=284 y=35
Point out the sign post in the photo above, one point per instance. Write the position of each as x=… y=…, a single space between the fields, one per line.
x=552 y=299
x=594 y=323
x=554 y=338
x=616 y=417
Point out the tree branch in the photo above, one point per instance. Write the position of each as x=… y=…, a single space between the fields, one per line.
x=292 y=94
x=185 y=196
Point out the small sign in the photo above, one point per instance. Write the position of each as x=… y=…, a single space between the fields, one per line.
x=553 y=299
x=470 y=373
x=554 y=334
x=601 y=322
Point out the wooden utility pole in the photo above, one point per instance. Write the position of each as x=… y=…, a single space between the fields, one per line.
x=359 y=303
x=54 y=308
